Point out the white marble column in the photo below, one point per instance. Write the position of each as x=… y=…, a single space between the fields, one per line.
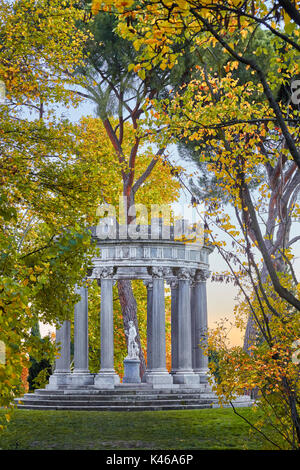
x=184 y=373
x=62 y=376
x=158 y=376
x=149 y=286
x=81 y=375
x=107 y=377
x=174 y=325
x=199 y=322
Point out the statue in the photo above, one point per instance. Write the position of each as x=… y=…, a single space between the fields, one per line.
x=133 y=349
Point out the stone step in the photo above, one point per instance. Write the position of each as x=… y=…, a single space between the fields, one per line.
x=121 y=398
x=115 y=403
x=117 y=398
x=147 y=387
x=117 y=392
x=115 y=408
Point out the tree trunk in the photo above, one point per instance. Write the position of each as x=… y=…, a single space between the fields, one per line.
x=284 y=185
x=127 y=300
x=251 y=328
x=129 y=310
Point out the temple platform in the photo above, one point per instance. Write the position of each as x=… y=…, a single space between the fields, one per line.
x=125 y=397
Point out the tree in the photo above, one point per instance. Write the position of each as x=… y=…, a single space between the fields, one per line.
x=170 y=22
x=240 y=155
x=37 y=368
x=203 y=24
x=160 y=188
x=281 y=176
x=249 y=129
x=121 y=95
x=49 y=190
x=47 y=198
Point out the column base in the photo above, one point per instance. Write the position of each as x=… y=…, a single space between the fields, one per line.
x=186 y=377
x=131 y=371
x=81 y=378
x=158 y=379
x=203 y=375
x=59 y=380
x=106 y=380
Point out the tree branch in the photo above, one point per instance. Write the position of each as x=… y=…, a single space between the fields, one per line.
x=268 y=93
x=281 y=291
x=291 y=10
x=148 y=170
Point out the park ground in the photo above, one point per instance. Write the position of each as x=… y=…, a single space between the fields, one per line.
x=210 y=429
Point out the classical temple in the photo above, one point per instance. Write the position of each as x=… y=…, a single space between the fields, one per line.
x=156 y=254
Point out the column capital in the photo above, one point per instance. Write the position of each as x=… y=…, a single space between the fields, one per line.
x=201 y=275
x=168 y=272
x=185 y=274
x=106 y=272
x=157 y=272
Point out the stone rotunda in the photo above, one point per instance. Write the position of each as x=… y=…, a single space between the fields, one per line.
x=158 y=255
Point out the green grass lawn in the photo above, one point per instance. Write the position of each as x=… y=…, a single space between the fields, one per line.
x=168 y=430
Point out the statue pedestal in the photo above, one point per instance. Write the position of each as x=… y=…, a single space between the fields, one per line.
x=131 y=371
